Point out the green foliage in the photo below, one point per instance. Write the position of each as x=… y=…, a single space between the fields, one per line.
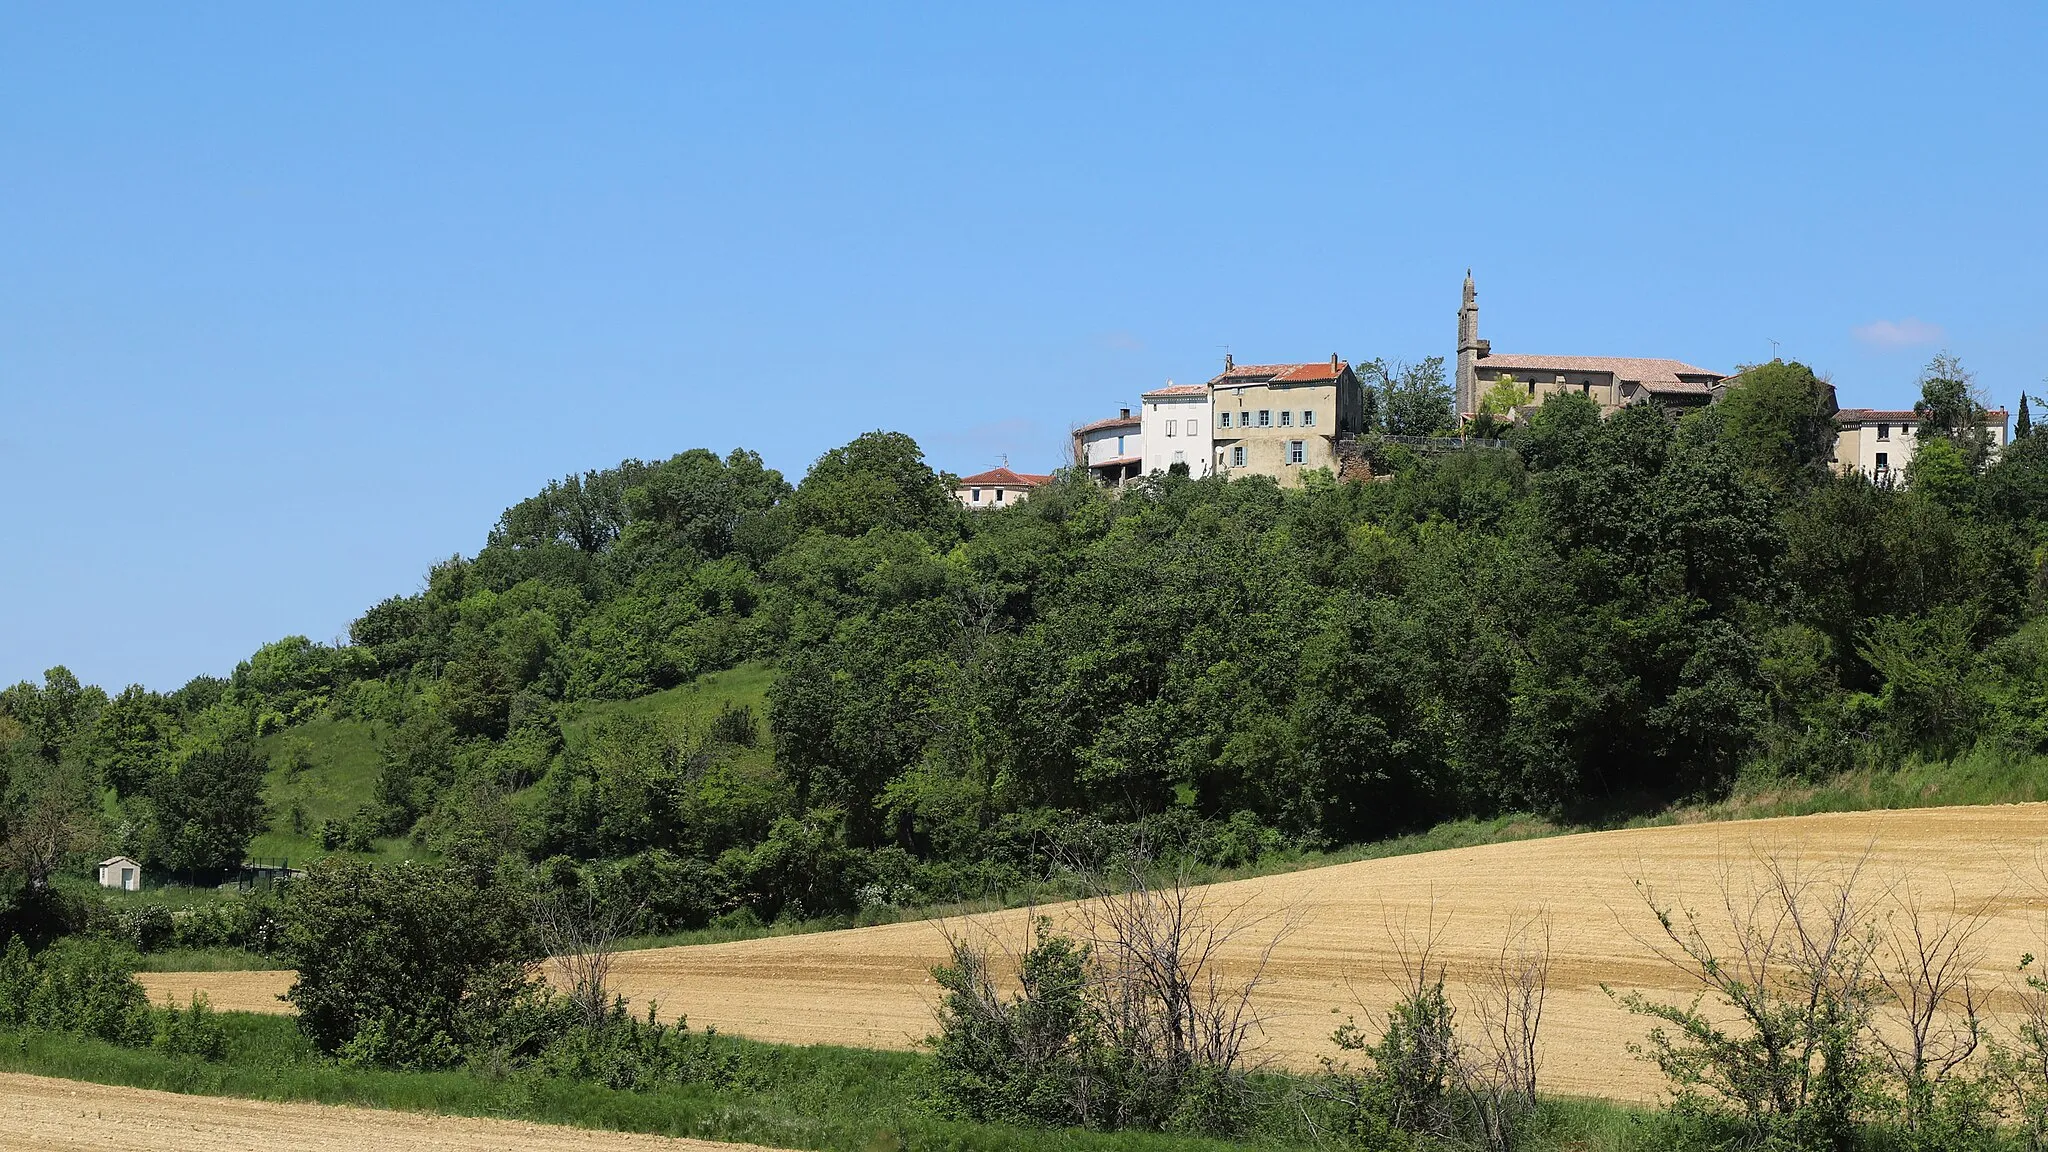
x=86 y=988
x=1413 y=399
x=406 y=966
x=204 y=812
x=191 y=1031
x=1952 y=411
x=1779 y=420
x=1038 y=1057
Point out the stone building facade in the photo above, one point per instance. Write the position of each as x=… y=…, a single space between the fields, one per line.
x=1611 y=381
x=1284 y=420
x=1880 y=442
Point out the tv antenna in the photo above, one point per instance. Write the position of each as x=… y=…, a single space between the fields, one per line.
x=1774 y=348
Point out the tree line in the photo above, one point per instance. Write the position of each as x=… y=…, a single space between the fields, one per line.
x=1600 y=617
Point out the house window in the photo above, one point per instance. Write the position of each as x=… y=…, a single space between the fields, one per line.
x=1287 y=417
x=999 y=495
x=1223 y=419
x=1194 y=427
x=1308 y=417
x=1884 y=431
x=1883 y=461
x=1119 y=445
x=1297 y=451
x=1265 y=417
x=1237 y=456
x=1180 y=457
x=977 y=495
x=1171 y=426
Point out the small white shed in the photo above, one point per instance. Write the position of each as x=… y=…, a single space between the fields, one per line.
x=121 y=872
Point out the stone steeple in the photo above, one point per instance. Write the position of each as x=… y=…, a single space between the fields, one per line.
x=1468 y=349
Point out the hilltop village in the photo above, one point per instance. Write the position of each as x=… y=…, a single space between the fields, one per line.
x=1290 y=419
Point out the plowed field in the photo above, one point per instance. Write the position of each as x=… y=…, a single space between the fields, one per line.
x=871 y=986
x=40 y=1113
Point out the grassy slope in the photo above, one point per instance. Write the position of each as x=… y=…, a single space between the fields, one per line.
x=692 y=705
x=829 y=1099
x=343 y=759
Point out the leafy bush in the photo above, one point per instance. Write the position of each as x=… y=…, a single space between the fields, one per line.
x=192 y=1031
x=88 y=988
x=405 y=966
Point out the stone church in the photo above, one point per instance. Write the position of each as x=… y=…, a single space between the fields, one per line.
x=1612 y=381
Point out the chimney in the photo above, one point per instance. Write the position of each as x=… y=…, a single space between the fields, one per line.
x=1127 y=414
x=1227 y=365
x=1333 y=362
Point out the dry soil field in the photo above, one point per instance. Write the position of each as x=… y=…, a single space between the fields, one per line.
x=41 y=1113
x=871 y=986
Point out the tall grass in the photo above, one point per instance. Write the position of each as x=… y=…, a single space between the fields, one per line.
x=822 y=1098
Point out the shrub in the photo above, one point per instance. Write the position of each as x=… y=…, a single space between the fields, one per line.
x=194 y=1031
x=86 y=988
x=405 y=966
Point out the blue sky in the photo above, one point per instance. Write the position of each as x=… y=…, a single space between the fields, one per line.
x=294 y=299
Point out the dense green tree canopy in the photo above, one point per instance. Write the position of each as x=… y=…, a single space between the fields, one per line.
x=1604 y=615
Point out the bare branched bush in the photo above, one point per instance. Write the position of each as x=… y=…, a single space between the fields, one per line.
x=582 y=935
x=1135 y=1021
x=1932 y=1013
x=1430 y=1078
x=1160 y=976
x=1792 y=959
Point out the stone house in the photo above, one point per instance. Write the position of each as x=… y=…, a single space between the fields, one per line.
x=1879 y=442
x=996 y=488
x=1282 y=420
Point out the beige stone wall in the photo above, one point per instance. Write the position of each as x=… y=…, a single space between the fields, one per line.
x=1266 y=446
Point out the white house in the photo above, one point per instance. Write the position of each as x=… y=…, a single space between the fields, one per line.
x=1879 y=442
x=1112 y=450
x=121 y=872
x=1174 y=429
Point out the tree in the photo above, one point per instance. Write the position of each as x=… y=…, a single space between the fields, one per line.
x=406 y=966
x=1419 y=401
x=1939 y=469
x=1951 y=409
x=1780 y=419
x=131 y=740
x=2023 y=425
x=54 y=714
x=879 y=480
x=203 y=813
x=49 y=819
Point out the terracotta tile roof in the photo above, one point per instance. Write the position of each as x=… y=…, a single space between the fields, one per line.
x=1315 y=372
x=1656 y=375
x=1178 y=390
x=1112 y=422
x=1904 y=415
x=1006 y=478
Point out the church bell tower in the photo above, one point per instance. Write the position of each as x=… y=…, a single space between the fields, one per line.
x=1468 y=350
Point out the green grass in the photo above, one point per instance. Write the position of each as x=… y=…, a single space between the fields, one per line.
x=205 y=960
x=692 y=705
x=823 y=1098
x=341 y=761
